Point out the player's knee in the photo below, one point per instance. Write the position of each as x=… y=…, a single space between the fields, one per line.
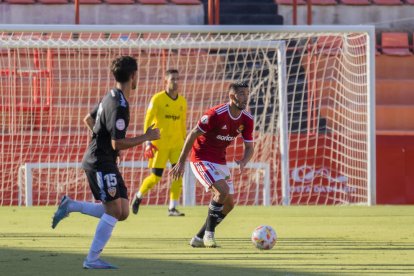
x=224 y=192
x=230 y=206
x=222 y=195
x=157 y=171
x=124 y=215
x=115 y=213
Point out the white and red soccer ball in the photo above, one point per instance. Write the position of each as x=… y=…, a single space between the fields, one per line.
x=264 y=237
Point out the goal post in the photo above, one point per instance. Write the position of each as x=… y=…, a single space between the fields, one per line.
x=312 y=97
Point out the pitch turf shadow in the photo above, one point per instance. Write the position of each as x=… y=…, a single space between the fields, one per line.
x=18 y=262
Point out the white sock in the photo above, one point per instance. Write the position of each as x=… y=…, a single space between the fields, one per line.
x=173 y=204
x=139 y=195
x=209 y=234
x=93 y=209
x=74 y=206
x=87 y=208
x=103 y=233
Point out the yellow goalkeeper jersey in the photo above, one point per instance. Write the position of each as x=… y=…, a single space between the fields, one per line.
x=169 y=116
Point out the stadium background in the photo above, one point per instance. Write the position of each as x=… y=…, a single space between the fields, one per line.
x=394 y=62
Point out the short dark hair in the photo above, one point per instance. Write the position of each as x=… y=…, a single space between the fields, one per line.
x=171 y=71
x=238 y=84
x=123 y=67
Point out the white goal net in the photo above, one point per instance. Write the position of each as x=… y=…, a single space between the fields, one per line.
x=311 y=95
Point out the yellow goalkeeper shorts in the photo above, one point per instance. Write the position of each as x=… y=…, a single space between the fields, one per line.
x=161 y=156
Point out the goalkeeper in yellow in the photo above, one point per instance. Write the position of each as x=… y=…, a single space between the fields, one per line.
x=167 y=110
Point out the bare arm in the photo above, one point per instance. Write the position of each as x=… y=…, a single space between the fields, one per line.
x=126 y=143
x=188 y=144
x=89 y=121
x=248 y=153
x=178 y=169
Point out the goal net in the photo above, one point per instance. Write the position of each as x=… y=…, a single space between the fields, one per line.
x=311 y=96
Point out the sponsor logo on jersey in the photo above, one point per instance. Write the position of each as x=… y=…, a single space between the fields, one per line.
x=225 y=138
x=173 y=117
x=204 y=119
x=120 y=124
x=240 y=129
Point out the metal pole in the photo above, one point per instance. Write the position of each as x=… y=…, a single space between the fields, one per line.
x=283 y=123
x=77 y=16
x=210 y=8
x=372 y=181
x=217 y=12
x=295 y=12
x=309 y=4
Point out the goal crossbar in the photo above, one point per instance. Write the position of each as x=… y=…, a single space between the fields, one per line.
x=186 y=29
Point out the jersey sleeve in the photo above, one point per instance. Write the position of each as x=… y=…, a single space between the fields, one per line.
x=184 y=120
x=247 y=133
x=118 y=123
x=150 y=114
x=207 y=121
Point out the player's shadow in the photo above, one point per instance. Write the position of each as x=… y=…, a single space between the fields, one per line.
x=228 y=260
x=19 y=262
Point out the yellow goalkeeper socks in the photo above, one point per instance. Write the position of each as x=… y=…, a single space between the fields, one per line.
x=148 y=183
x=175 y=190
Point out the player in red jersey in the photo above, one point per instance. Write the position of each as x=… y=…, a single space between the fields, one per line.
x=214 y=132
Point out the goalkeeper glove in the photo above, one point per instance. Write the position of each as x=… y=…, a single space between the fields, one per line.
x=150 y=149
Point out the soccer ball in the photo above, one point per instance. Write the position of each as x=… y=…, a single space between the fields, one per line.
x=264 y=237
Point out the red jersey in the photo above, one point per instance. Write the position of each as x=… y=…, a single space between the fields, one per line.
x=219 y=130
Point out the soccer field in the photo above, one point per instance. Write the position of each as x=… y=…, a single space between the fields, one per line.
x=311 y=241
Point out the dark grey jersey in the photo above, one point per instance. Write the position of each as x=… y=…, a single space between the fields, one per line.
x=111 y=123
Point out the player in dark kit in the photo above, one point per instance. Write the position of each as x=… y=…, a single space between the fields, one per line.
x=108 y=122
x=214 y=132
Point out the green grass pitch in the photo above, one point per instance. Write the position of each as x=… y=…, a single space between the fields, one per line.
x=316 y=240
